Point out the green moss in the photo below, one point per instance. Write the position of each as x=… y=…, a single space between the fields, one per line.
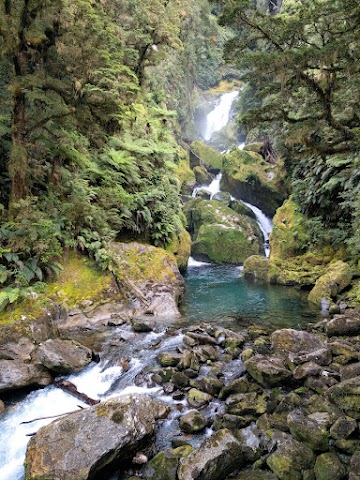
x=201 y=174
x=225 y=86
x=337 y=277
x=257 y=268
x=210 y=158
x=185 y=174
x=180 y=247
x=352 y=297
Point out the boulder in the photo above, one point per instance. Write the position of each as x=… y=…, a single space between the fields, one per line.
x=62 y=356
x=343 y=427
x=255 y=475
x=346 y=396
x=92 y=439
x=256 y=268
x=168 y=359
x=165 y=464
x=347 y=324
x=293 y=344
x=354 y=471
x=306 y=369
x=202 y=176
x=193 y=422
x=350 y=371
x=328 y=466
x=216 y=457
x=201 y=154
x=250 y=403
x=290 y=457
x=267 y=370
x=336 y=278
x=223 y=197
x=2 y=407
x=14 y=375
x=308 y=431
x=197 y=399
x=19 y=350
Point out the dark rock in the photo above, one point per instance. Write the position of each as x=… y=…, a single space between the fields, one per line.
x=328 y=466
x=347 y=324
x=250 y=439
x=255 y=475
x=180 y=379
x=216 y=457
x=343 y=427
x=346 y=395
x=193 y=422
x=320 y=357
x=247 y=403
x=291 y=344
x=239 y=385
x=14 y=374
x=350 y=371
x=320 y=384
x=143 y=324
x=223 y=197
x=168 y=359
x=290 y=457
x=306 y=370
x=62 y=356
x=354 y=471
x=268 y=371
x=164 y=465
x=120 y=423
x=347 y=445
x=211 y=385
x=308 y=431
x=231 y=422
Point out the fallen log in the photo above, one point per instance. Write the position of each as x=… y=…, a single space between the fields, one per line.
x=71 y=388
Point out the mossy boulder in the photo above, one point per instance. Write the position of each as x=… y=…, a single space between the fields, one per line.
x=220 y=235
x=202 y=176
x=223 y=197
x=248 y=176
x=346 y=396
x=253 y=147
x=329 y=466
x=197 y=398
x=239 y=207
x=267 y=370
x=257 y=268
x=180 y=247
x=346 y=324
x=164 y=465
x=205 y=156
x=308 y=431
x=185 y=174
x=337 y=277
x=193 y=422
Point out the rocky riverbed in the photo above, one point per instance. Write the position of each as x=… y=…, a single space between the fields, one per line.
x=255 y=403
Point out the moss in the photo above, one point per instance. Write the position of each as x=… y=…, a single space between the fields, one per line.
x=201 y=174
x=225 y=86
x=352 y=297
x=180 y=247
x=257 y=268
x=253 y=147
x=337 y=277
x=185 y=174
x=210 y=158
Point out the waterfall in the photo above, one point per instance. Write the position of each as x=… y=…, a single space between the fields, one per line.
x=212 y=189
x=265 y=225
x=219 y=116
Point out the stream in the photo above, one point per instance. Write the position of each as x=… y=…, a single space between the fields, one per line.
x=214 y=293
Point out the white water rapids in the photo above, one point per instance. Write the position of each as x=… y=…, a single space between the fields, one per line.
x=219 y=116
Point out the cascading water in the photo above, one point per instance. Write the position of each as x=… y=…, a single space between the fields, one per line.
x=219 y=117
x=212 y=189
x=264 y=223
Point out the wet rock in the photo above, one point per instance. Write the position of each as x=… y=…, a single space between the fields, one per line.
x=347 y=446
x=343 y=347
x=250 y=439
x=308 y=431
x=120 y=424
x=247 y=403
x=231 y=422
x=346 y=396
x=347 y=324
x=239 y=385
x=197 y=399
x=343 y=427
x=203 y=338
x=193 y=422
x=180 y=379
x=291 y=344
x=255 y=475
x=164 y=465
x=268 y=371
x=62 y=356
x=246 y=354
x=2 y=407
x=14 y=375
x=320 y=357
x=19 y=350
x=163 y=375
x=320 y=384
x=350 y=371
x=143 y=324
x=328 y=465
x=216 y=457
x=168 y=359
x=290 y=458
x=223 y=197
x=211 y=385
x=354 y=470
x=277 y=421
x=307 y=369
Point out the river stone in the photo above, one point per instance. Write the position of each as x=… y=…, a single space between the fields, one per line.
x=168 y=359
x=255 y=475
x=216 y=457
x=343 y=427
x=164 y=465
x=143 y=324
x=266 y=370
x=19 y=350
x=62 y=356
x=347 y=324
x=82 y=444
x=350 y=371
x=289 y=344
x=210 y=385
x=192 y=422
x=250 y=403
x=197 y=399
x=290 y=458
x=14 y=374
x=354 y=472
x=308 y=431
x=346 y=395
x=328 y=466
x=306 y=369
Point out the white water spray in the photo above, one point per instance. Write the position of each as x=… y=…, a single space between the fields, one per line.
x=219 y=117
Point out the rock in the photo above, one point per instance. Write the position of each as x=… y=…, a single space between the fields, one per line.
x=344 y=347
x=62 y=356
x=328 y=466
x=202 y=176
x=239 y=385
x=92 y=439
x=203 y=193
x=164 y=465
x=143 y=324
x=180 y=379
x=255 y=475
x=168 y=359
x=308 y=431
x=256 y=268
x=290 y=457
x=223 y=197
x=216 y=457
x=250 y=403
x=350 y=371
x=343 y=427
x=347 y=324
x=197 y=399
x=239 y=207
x=354 y=471
x=336 y=278
x=211 y=385
x=193 y=422
x=180 y=247
x=2 y=407
x=14 y=375
x=201 y=154
x=346 y=396
x=19 y=350
x=268 y=371
x=291 y=344
x=305 y=370
x=250 y=439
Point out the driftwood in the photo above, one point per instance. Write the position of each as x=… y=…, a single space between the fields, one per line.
x=71 y=388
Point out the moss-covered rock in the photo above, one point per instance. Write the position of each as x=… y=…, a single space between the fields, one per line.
x=223 y=197
x=206 y=156
x=197 y=398
x=346 y=396
x=336 y=278
x=193 y=422
x=257 y=268
x=248 y=176
x=164 y=465
x=239 y=207
x=202 y=176
x=220 y=235
x=308 y=431
x=180 y=247
x=328 y=465
x=185 y=174
x=268 y=371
